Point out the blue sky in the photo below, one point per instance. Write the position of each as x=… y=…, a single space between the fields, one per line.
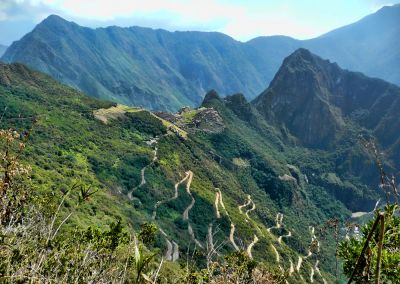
x=240 y=19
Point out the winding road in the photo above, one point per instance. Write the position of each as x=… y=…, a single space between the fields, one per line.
x=253 y=207
x=246 y=204
x=185 y=215
x=220 y=202
x=247 y=219
x=172 y=253
x=278 y=221
x=250 y=247
x=231 y=237
x=176 y=195
x=216 y=204
x=210 y=239
x=142 y=173
x=299 y=263
x=291 y=269
x=314 y=269
x=284 y=236
x=312 y=275
x=278 y=257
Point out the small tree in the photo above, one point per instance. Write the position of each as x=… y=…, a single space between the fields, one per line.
x=32 y=249
x=375 y=256
x=350 y=251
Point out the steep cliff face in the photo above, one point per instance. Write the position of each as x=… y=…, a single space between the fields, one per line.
x=298 y=99
x=317 y=101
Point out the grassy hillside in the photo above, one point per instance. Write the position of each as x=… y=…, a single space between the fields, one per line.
x=134 y=159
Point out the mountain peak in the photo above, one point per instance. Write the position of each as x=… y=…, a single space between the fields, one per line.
x=303 y=59
x=313 y=98
x=303 y=53
x=299 y=98
x=307 y=69
x=54 y=19
x=210 y=97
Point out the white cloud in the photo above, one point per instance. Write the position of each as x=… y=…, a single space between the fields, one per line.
x=242 y=19
x=108 y=10
x=238 y=19
x=380 y=4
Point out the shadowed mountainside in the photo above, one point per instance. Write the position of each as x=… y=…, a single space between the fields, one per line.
x=320 y=103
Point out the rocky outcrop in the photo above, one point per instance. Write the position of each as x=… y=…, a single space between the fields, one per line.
x=316 y=100
x=192 y=120
x=207 y=120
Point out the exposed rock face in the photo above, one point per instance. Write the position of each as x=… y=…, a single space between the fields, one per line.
x=171 y=117
x=313 y=98
x=207 y=120
x=191 y=120
x=210 y=96
x=298 y=98
x=239 y=105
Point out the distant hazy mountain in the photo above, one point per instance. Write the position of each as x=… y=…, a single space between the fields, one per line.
x=371 y=45
x=320 y=103
x=164 y=70
x=2 y=49
x=139 y=66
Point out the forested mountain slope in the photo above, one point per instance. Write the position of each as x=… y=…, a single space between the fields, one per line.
x=163 y=70
x=220 y=166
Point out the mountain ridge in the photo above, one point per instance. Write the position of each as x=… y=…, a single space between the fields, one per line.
x=180 y=67
x=127 y=58
x=136 y=160
x=323 y=105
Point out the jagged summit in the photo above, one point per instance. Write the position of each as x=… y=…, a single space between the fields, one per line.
x=302 y=53
x=303 y=60
x=312 y=98
x=210 y=96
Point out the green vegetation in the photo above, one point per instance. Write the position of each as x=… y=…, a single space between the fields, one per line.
x=351 y=250
x=165 y=70
x=69 y=146
x=34 y=250
x=99 y=171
